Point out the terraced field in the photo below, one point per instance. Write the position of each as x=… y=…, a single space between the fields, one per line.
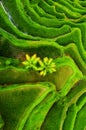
x=43 y=65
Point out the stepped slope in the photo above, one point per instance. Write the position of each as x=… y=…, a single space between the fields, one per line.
x=43 y=65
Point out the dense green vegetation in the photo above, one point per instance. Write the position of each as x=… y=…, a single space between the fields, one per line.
x=42 y=64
